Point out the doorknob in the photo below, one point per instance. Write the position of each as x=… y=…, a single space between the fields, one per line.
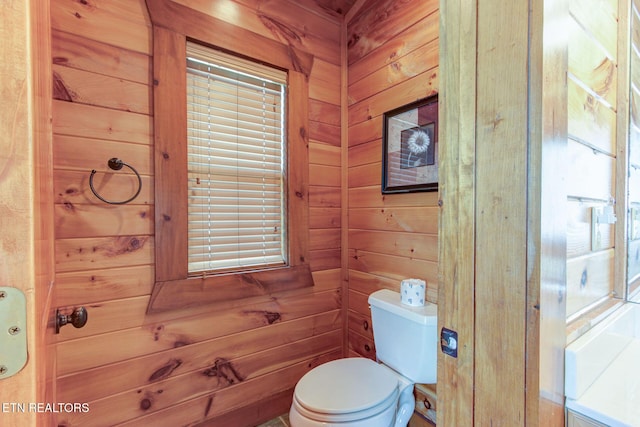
x=78 y=318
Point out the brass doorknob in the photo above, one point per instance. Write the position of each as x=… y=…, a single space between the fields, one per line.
x=78 y=318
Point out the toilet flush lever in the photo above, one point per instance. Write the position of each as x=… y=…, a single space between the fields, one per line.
x=78 y=318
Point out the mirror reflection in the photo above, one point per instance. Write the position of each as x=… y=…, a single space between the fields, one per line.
x=633 y=193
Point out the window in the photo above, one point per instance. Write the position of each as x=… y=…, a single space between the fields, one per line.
x=236 y=170
x=175 y=287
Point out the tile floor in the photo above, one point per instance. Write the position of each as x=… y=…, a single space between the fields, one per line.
x=281 y=421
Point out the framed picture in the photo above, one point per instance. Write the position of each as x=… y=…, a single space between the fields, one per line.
x=410 y=147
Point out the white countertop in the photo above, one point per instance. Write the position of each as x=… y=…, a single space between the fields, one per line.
x=614 y=397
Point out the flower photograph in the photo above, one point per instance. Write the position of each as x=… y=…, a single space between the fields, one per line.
x=416 y=148
x=410 y=147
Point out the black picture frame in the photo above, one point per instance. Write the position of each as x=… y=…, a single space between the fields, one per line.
x=410 y=147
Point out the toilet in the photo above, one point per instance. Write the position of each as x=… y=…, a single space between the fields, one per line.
x=358 y=392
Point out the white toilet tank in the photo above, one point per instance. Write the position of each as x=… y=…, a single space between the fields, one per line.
x=406 y=337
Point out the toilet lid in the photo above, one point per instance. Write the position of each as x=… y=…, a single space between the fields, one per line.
x=345 y=385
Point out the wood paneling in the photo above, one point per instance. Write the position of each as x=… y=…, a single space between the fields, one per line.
x=396 y=72
x=90 y=286
x=407 y=245
x=226 y=363
x=416 y=87
x=138 y=371
x=227 y=399
x=340 y=7
x=96 y=122
x=201 y=25
x=456 y=301
x=100 y=90
x=413 y=37
x=281 y=21
x=26 y=191
x=406 y=219
x=217 y=374
x=500 y=277
x=392 y=60
x=96 y=21
x=381 y=21
x=102 y=252
x=79 y=52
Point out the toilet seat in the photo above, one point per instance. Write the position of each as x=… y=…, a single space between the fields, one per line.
x=346 y=390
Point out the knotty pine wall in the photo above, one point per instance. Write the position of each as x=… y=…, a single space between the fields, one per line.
x=230 y=364
x=392 y=61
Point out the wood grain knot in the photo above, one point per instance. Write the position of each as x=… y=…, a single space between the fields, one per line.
x=224 y=369
x=272 y=317
x=165 y=370
x=134 y=243
x=145 y=404
x=353 y=40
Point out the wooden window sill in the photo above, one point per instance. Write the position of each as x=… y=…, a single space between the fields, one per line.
x=194 y=291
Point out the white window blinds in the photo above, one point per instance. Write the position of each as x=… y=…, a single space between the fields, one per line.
x=235 y=125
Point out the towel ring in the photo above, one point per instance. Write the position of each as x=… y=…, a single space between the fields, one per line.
x=116 y=164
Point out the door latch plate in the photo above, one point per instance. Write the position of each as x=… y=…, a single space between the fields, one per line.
x=13 y=331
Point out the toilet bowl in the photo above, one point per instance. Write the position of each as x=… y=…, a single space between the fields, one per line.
x=358 y=392
x=353 y=392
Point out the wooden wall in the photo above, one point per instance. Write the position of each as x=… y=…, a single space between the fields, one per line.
x=392 y=61
x=232 y=364
x=592 y=150
x=26 y=224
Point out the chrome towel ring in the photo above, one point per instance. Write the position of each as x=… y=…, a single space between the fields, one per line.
x=116 y=164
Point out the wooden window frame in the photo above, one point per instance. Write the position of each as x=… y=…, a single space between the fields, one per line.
x=173 y=25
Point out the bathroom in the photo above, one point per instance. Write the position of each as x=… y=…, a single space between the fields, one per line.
x=491 y=261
